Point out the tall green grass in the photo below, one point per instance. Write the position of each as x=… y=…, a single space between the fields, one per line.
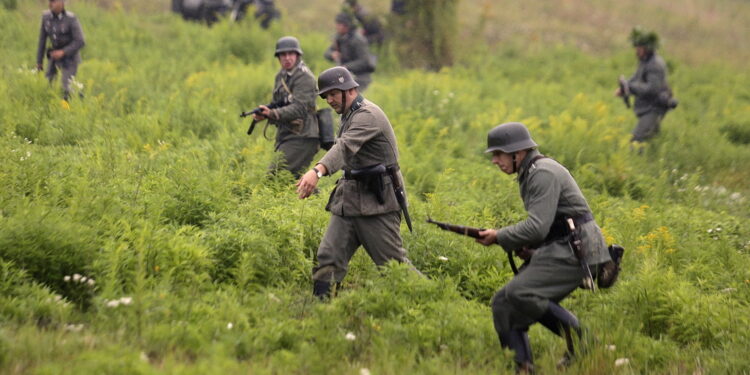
x=201 y=262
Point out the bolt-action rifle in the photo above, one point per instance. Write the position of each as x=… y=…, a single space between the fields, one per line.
x=471 y=232
x=624 y=91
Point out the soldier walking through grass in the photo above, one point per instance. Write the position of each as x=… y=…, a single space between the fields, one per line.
x=350 y=50
x=365 y=207
x=64 y=31
x=552 y=271
x=294 y=109
x=653 y=97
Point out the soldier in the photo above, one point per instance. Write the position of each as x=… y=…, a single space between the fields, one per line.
x=371 y=27
x=350 y=50
x=294 y=109
x=265 y=12
x=552 y=272
x=66 y=35
x=653 y=97
x=364 y=205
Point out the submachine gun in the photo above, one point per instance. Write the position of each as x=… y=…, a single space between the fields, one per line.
x=273 y=105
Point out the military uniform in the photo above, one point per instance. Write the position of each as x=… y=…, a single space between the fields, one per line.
x=65 y=32
x=297 y=125
x=548 y=192
x=648 y=82
x=355 y=56
x=265 y=11
x=366 y=138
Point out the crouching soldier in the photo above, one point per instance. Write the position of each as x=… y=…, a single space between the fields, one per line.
x=558 y=215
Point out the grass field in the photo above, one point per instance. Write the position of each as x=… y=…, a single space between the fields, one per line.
x=201 y=264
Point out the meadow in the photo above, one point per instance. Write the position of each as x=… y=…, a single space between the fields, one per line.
x=140 y=234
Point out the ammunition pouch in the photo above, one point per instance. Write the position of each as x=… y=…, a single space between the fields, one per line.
x=559 y=229
x=372 y=177
x=665 y=99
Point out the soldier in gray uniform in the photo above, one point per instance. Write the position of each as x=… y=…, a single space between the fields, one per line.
x=365 y=210
x=648 y=85
x=66 y=35
x=371 y=27
x=350 y=50
x=294 y=109
x=552 y=271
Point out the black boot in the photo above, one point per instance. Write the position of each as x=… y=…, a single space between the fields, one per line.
x=563 y=323
x=518 y=341
x=322 y=289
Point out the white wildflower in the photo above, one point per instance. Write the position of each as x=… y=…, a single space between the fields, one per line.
x=350 y=336
x=442 y=258
x=91 y=282
x=364 y=371
x=728 y=290
x=621 y=362
x=735 y=196
x=230 y=325
x=718 y=229
x=83 y=280
x=611 y=348
x=66 y=278
x=144 y=357
x=74 y=327
x=710 y=230
x=76 y=277
x=113 y=303
x=435 y=92
x=58 y=298
x=126 y=300
x=273 y=297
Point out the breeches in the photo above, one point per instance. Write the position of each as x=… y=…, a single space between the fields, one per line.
x=525 y=298
x=379 y=234
x=68 y=69
x=648 y=125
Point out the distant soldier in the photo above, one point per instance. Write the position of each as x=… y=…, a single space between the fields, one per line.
x=350 y=50
x=367 y=202
x=294 y=108
x=653 y=97
x=66 y=35
x=371 y=27
x=265 y=12
x=551 y=197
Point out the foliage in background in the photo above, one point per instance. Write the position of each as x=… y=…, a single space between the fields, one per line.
x=201 y=262
x=426 y=33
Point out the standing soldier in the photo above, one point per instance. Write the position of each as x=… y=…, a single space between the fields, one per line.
x=350 y=50
x=653 y=97
x=66 y=35
x=371 y=27
x=265 y=12
x=366 y=203
x=553 y=271
x=293 y=110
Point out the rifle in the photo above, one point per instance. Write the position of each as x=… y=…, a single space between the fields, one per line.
x=471 y=232
x=257 y=111
x=624 y=91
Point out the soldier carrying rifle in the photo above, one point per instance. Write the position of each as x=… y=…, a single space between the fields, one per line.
x=292 y=109
x=546 y=241
x=65 y=33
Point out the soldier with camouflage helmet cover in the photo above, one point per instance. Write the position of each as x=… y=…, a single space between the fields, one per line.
x=350 y=50
x=295 y=116
x=552 y=271
x=65 y=33
x=653 y=97
x=365 y=209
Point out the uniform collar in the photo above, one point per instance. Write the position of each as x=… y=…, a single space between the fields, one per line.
x=60 y=15
x=526 y=163
x=291 y=72
x=356 y=104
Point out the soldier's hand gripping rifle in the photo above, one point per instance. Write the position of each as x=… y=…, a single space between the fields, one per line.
x=258 y=111
x=624 y=91
x=471 y=232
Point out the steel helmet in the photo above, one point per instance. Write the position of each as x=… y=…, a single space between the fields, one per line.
x=509 y=137
x=286 y=44
x=337 y=77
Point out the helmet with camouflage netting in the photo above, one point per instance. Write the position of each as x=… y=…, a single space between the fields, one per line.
x=641 y=37
x=509 y=137
x=288 y=44
x=336 y=78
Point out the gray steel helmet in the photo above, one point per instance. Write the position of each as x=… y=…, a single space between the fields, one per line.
x=337 y=77
x=345 y=18
x=286 y=44
x=509 y=137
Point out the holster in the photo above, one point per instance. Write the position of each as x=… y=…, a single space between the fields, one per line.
x=372 y=177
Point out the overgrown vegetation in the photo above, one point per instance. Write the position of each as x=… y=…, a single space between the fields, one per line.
x=201 y=263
